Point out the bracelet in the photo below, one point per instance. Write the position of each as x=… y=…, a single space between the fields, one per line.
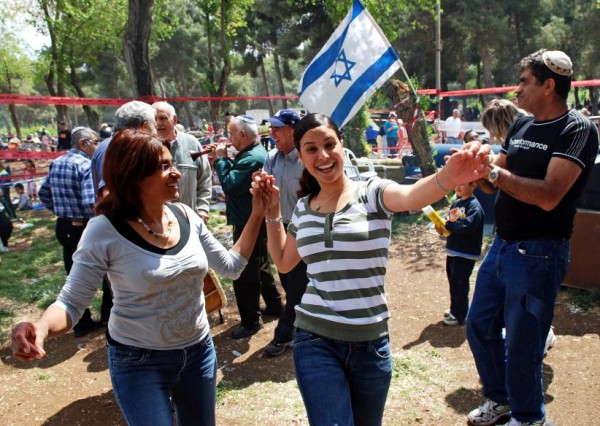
x=439 y=184
x=274 y=219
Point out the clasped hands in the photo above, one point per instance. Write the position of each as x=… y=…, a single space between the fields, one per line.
x=265 y=200
x=470 y=163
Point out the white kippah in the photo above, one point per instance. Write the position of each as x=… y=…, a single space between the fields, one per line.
x=558 y=62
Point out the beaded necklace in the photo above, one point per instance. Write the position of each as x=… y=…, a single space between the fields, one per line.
x=158 y=235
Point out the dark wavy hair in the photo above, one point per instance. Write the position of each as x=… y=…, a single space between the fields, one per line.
x=535 y=62
x=308 y=184
x=132 y=156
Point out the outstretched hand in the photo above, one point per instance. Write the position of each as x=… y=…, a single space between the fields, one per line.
x=469 y=163
x=28 y=342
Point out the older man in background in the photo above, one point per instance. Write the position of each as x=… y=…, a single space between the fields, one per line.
x=195 y=186
x=236 y=177
x=132 y=115
x=285 y=165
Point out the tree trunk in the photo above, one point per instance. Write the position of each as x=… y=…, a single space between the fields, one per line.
x=226 y=71
x=279 y=78
x=417 y=130
x=56 y=69
x=135 y=46
x=486 y=61
x=186 y=94
x=93 y=117
x=263 y=74
x=594 y=100
x=15 y=119
x=11 y=107
x=213 y=107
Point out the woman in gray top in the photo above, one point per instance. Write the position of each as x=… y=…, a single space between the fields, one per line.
x=156 y=254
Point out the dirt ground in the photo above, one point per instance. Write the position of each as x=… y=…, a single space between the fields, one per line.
x=435 y=381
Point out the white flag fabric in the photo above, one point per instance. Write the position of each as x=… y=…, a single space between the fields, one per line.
x=356 y=60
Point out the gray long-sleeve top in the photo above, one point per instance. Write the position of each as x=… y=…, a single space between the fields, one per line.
x=158 y=299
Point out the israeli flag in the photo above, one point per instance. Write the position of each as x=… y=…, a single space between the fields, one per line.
x=356 y=60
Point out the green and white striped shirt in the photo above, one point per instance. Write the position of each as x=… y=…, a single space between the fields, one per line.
x=346 y=253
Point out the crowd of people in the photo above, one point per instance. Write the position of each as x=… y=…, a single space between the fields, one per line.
x=132 y=214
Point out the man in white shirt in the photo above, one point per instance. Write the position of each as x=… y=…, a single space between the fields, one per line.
x=452 y=128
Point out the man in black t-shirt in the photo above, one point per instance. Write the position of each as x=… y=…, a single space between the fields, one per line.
x=64 y=137
x=541 y=171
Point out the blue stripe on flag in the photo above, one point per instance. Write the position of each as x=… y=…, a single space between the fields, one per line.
x=329 y=57
x=362 y=84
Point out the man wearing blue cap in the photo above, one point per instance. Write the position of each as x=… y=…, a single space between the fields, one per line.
x=283 y=163
x=236 y=177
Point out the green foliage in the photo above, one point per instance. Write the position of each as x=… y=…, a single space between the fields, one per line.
x=216 y=47
x=584 y=298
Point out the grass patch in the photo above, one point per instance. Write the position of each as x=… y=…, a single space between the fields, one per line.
x=584 y=299
x=33 y=269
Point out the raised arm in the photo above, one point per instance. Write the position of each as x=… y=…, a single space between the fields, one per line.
x=464 y=166
x=282 y=246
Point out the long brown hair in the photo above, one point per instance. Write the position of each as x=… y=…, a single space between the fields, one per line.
x=308 y=183
x=131 y=156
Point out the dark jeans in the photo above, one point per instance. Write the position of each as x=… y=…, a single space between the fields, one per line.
x=458 y=270
x=255 y=280
x=6 y=201
x=294 y=283
x=6 y=228
x=516 y=289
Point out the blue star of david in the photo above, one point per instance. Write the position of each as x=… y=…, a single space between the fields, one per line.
x=348 y=65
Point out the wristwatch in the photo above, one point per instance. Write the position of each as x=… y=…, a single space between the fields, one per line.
x=493 y=175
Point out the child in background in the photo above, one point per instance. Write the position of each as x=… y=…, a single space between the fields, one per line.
x=31 y=185
x=463 y=248
x=24 y=202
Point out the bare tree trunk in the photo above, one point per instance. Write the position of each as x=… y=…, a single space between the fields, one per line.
x=263 y=74
x=56 y=71
x=226 y=71
x=213 y=107
x=93 y=117
x=11 y=107
x=135 y=46
x=279 y=78
x=15 y=119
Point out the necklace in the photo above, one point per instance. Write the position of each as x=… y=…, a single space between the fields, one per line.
x=158 y=235
x=318 y=208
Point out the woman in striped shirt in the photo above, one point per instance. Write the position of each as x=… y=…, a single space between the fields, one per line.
x=341 y=229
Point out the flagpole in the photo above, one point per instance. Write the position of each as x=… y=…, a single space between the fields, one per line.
x=438 y=54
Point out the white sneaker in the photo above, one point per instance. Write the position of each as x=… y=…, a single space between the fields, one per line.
x=4 y=249
x=451 y=320
x=488 y=414
x=446 y=313
x=550 y=341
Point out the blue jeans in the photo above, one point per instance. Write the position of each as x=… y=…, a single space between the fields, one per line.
x=516 y=288
x=153 y=387
x=392 y=143
x=458 y=271
x=342 y=383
